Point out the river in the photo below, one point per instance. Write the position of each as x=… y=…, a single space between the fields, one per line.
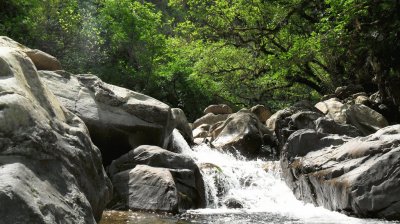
x=254 y=187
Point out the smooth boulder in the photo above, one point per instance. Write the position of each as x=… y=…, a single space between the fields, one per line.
x=242 y=132
x=50 y=171
x=190 y=190
x=358 y=176
x=118 y=119
x=365 y=119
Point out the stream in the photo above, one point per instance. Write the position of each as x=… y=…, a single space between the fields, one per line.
x=253 y=187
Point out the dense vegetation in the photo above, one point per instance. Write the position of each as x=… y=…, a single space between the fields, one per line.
x=190 y=53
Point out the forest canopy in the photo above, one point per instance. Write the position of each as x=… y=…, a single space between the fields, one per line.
x=191 y=53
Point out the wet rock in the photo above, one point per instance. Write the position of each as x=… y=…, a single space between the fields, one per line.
x=118 y=119
x=218 y=109
x=182 y=124
x=233 y=203
x=354 y=175
x=50 y=171
x=201 y=131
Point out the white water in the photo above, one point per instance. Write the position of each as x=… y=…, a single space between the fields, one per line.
x=258 y=186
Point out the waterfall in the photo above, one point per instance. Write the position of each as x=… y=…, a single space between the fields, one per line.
x=254 y=188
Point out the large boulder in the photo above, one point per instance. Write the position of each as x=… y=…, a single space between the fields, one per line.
x=243 y=132
x=50 y=171
x=118 y=119
x=365 y=119
x=178 y=170
x=218 y=109
x=40 y=59
x=359 y=176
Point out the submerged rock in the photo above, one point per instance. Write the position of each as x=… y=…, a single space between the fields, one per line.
x=359 y=176
x=50 y=171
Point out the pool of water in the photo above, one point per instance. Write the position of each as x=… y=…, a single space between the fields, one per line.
x=206 y=216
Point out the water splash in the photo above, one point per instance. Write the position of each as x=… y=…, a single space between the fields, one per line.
x=256 y=187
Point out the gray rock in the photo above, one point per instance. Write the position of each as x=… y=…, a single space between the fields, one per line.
x=147 y=188
x=344 y=92
x=50 y=171
x=209 y=119
x=333 y=109
x=179 y=165
x=218 y=109
x=243 y=132
x=261 y=112
x=365 y=119
x=40 y=59
x=298 y=116
x=357 y=176
x=329 y=126
x=118 y=119
x=201 y=131
x=182 y=124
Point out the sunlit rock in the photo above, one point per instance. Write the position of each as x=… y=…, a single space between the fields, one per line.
x=118 y=119
x=50 y=171
x=41 y=60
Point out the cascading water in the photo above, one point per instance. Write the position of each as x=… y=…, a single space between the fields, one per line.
x=251 y=191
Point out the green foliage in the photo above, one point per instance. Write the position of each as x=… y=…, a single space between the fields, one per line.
x=191 y=53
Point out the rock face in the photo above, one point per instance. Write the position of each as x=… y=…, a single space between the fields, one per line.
x=359 y=176
x=118 y=119
x=50 y=171
x=40 y=59
x=242 y=131
x=169 y=182
x=218 y=109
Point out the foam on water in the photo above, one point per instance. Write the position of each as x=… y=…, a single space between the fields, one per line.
x=258 y=186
